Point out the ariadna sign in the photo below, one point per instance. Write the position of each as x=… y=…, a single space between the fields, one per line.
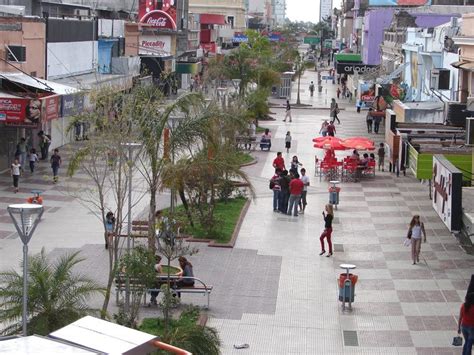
x=351 y=68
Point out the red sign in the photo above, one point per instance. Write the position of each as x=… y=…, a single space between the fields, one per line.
x=147 y=6
x=50 y=107
x=209 y=47
x=159 y=19
x=20 y=112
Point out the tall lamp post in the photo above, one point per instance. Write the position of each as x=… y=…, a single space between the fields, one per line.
x=130 y=147
x=25 y=218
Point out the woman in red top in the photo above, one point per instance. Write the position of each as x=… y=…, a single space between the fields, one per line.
x=466 y=323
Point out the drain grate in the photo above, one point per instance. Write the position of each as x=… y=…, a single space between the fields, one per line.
x=350 y=338
x=338 y=247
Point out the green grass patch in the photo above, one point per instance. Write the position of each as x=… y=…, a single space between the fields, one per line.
x=261 y=129
x=156 y=326
x=226 y=213
x=244 y=158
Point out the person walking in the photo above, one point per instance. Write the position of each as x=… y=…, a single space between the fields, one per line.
x=296 y=188
x=338 y=92
x=284 y=192
x=324 y=128
x=381 y=155
x=334 y=110
x=331 y=129
x=305 y=179
x=22 y=152
x=276 y=188
x=417 y=228
x=466 y=323
x=279 y=162
x=55 y=164
x=33 y=158
x=288 y=111
x=294 y=165
x=16 y=172
x=369 y=120
x=328 y=218
x=311 y=89
x=288 y=141
x=377 y=120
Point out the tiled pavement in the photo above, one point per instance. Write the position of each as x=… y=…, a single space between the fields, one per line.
x=272 y=290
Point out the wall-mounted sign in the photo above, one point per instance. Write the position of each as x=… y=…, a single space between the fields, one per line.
x=159 y=46
x=72 y=104
x=351 y=68
x=20 y=112
x=399 y=2
x=147 y=6
x=446 y=192
x=50 y=107
x=159 y=19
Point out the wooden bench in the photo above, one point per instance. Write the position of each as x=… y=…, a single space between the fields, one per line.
x=139 y=226
x=121 y=285
x=201 y=288
x=243 y=141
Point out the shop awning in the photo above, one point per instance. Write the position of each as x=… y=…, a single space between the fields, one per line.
x=464 y=64
x=212 y=19
x=37 y=83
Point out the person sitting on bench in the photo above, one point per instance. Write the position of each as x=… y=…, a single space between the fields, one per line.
x=187 y=272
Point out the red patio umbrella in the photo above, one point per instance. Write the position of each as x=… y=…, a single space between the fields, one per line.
x=330 y=143
x=360 y=143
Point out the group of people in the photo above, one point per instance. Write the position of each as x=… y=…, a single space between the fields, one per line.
x=289 y=187
x=17 y=167
x=373 y=121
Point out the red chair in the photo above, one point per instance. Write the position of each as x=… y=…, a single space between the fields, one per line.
x=370 y=169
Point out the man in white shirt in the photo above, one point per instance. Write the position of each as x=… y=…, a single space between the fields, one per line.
x=305 y=180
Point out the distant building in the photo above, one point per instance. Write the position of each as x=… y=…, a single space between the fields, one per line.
x=325 y=9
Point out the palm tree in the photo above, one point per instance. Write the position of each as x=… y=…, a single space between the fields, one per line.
x=194 y=338
x=56 y=296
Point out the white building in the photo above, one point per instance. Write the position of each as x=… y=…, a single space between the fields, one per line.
x=429 y=72
x=325 y=9
x=279 y=12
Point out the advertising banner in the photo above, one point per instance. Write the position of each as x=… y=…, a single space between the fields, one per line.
x=399 y=2
x=159 y=46
x=446 y=192
x=351 y=68
x=72 y=104
x=50 y=107
x=367 y=94
x=20 y=112
x=158 y=14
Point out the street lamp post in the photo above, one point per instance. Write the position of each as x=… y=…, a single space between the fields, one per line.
x=25 y=218
x=130 y=147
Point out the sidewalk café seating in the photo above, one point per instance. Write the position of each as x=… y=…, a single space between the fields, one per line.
x=369 y=171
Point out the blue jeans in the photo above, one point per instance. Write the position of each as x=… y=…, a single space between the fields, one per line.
x=283 y=201
x=468 y=334
x=276 y=197
x=55 y=170
x=293 y=204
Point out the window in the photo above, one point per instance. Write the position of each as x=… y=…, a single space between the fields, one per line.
x=16 y=53
x=230 y=21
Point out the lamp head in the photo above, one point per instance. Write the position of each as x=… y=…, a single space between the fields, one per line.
x=25 y=218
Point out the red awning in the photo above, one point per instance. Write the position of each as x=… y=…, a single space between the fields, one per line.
x=212 y=19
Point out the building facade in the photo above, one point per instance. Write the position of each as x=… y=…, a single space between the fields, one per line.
x=234 y=11
x=325 y=9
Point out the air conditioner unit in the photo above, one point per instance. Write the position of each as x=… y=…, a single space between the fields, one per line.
x=470 y=103
x=16 y=53
x=440 y=79
x=470 y=130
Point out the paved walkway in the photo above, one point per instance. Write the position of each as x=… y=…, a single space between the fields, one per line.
x=272 y=290
x=400 y=308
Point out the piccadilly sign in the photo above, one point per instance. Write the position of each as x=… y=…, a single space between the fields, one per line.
x=159 y=19
x=351 y=68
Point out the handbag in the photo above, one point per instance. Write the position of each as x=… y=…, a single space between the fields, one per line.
x=407 y=242
x=457 y=340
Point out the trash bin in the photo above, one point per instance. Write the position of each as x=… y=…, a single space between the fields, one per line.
x=347 y=287
x=334 y=195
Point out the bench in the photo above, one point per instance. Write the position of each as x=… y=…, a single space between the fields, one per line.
x=243 y=141
x=140 y=226
x=201 y=288
x=121 y=285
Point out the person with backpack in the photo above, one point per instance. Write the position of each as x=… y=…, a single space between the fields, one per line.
x=311 y=89
x=334 y=110
x=276 y=188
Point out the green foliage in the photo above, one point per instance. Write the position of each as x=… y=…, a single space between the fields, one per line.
x=257 y=104
x=184 y=333
x=56 y=296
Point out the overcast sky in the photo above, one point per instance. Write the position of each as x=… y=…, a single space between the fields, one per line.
x=305 y=10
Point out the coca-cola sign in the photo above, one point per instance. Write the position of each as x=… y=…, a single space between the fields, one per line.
x=159 y=19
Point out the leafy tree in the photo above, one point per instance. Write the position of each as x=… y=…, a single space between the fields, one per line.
x=56 y=296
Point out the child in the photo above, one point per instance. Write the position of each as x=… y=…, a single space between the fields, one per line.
x=16 y=171
x=381 y=154
x=33 y=159
x=288 y=141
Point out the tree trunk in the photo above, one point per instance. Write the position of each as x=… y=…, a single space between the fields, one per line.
x=298 y=100
x=151 y=218
x=182 y=197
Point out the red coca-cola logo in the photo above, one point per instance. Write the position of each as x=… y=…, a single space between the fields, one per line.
x=159 y=19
